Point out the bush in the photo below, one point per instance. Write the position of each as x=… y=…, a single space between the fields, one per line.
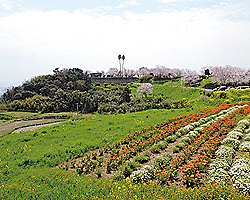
x=156 y=148
x=147 y=153
x=180 y=146
x=176 y=150
x=128 y=168
x=170 y=139
x=163 y=160
x=146 y=79
x=118 y=177
x=143 y=175
x=141 y=159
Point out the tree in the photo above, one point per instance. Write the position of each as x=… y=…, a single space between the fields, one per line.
x=129 y=72
x=221 y=75
x=112 y=72
x=145 y=89
x=176 y=72
x=190 y=77
x=207 y=72
x=228 y=74
x=123 y=58
x=126 y=93
x=143 y=71
x=119 y=58
x=161 y=71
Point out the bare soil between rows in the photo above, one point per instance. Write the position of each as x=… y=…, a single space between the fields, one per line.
x=108 y=175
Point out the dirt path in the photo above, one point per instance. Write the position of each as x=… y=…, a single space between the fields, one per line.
x=32 y=128
x=10 y=126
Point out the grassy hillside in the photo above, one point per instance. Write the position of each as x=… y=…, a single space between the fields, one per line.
x=74 y=138
x=172 y=90
x=26 y=159
x=176 y=92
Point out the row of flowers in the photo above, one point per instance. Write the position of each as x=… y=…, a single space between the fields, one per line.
x=190 y=132
x=139 y=140
x=217 y=133
x=204 y=126
x=193 y=172
x=231 y=163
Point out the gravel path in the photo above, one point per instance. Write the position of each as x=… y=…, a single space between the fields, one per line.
x=10 y=126
x=32 y=128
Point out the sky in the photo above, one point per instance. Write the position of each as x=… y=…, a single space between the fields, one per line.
x=37 y=36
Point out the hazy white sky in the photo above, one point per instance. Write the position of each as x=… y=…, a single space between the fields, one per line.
x=37 y=36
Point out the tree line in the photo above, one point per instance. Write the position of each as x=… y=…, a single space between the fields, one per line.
x=64 y=89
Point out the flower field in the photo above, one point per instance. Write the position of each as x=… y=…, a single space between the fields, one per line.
x=201 y=134
x=202 y=155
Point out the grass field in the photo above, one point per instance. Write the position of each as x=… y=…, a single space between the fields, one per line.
x=74 y=138
x=172 y=90
x=27 y=159
x=24 y=155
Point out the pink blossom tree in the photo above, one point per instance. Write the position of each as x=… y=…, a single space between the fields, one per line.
x=176 y=72
x=160 y=71
x=144 y=71
x=112 y=72
x=190 y=77
x=229 y=74
x=129 y=72
x=145 y=89
x=221 y=75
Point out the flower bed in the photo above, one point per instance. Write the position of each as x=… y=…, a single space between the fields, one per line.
x=201 y=133
x=230 y=165
x=192 y=172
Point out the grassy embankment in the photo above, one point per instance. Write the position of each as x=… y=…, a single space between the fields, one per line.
x=26 y=159
x=25 y=154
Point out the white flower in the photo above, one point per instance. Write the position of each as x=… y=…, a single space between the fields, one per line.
x=195 y=124
x=186 y=129
x=247 y=131
x=231 y=141
x=218 y=175
x=220 y=164
x=194 y=133
x=235 y=134
x=247 y=137
x=225 y=152
x=244 y=123
x=245 y=146
x=144 y=174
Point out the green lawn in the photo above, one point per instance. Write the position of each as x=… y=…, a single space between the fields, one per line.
x=171 y=90
x=176 y=92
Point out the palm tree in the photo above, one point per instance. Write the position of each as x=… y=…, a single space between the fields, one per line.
x=119 y=58
x=123 y=58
